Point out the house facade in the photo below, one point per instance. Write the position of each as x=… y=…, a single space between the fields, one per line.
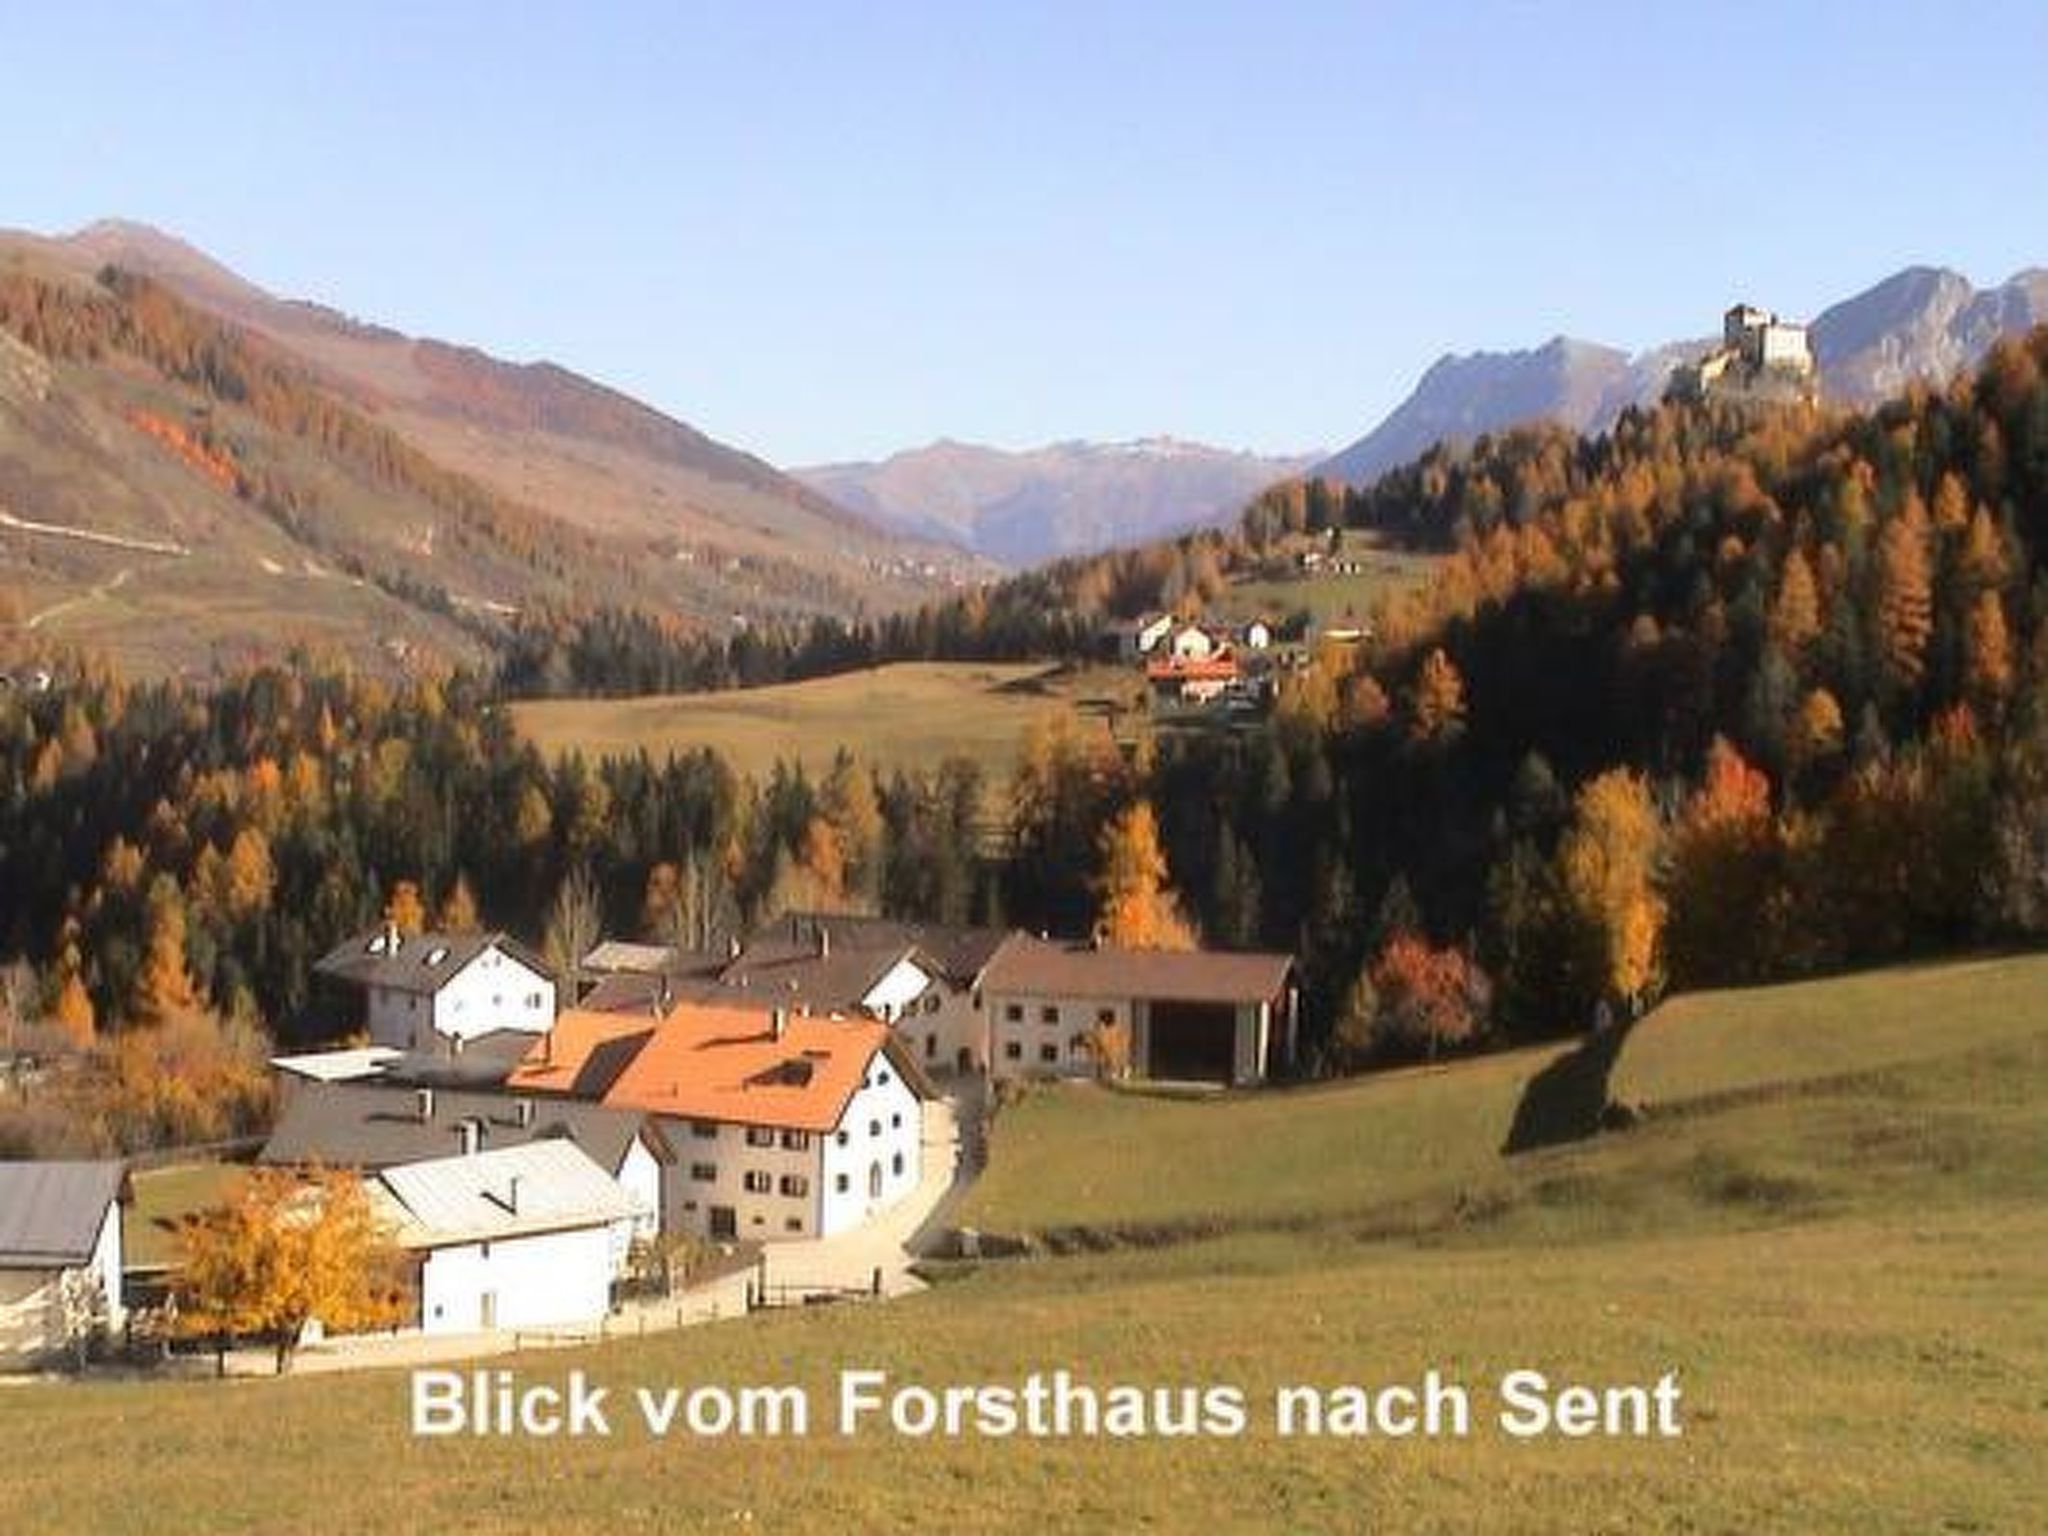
x=1195 y=1015
x=524 y=1237
x=435 y=991
x=777 y=1126
x=60 y=1257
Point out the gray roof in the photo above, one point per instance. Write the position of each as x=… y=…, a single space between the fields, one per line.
x=1049 y=968
x=51 y=1213
x=958 y=951
x=373 y=1125
x=541 y=1187
x=420 y=962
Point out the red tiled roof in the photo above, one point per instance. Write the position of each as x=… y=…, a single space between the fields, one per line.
x=708 y=1062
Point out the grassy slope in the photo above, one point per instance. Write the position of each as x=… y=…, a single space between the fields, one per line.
x=1847 y=1278
x=910 y=715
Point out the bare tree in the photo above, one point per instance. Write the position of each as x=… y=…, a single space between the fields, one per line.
x=574 y=922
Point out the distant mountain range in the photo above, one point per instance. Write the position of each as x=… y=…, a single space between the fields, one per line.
x=532 y=486
x=1022 y=508
x=1923 y=322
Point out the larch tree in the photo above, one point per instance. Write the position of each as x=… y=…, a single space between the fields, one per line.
x=405 y=910
x=1608 y=864
x=1138 y=907
x=1436 y=706
x=1724 y=876
x=163 y=984
x=1905 y=598
x=458 y=913
x=1987 y=653
x=1795 y=614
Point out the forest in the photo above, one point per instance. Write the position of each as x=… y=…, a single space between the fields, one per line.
x=1722 y=695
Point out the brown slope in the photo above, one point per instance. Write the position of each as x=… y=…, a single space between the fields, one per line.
x=593 y=455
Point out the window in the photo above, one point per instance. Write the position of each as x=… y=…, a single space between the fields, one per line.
x=896 y=1163
x=881 y=1077
x=842 y=1184
x=760 y=1136
x=792 y=1223
x=931 y=1046
x=704 y=1130
x=1014 y=1012
x=1048 y=1053
x=840 y=1137
x=689 y=1205
x=704 y=1173
x=896 y=1122
x=757 y=1183
x=796 y=1141
x=533 y=999
x=1012 y=1051
x=1105 y=1015
x=874 y=1127
x=1078 y=1046
x=975 y=999
x=1049 y=1014
x=483 y=1250
x=795 y=1185
x=931 y=1002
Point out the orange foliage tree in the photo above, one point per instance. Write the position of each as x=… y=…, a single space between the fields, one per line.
x=1139 y=909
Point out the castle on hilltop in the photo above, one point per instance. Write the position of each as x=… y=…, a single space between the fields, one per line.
x=1761 y=358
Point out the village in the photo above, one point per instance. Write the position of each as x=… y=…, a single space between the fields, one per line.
x=664 y=1134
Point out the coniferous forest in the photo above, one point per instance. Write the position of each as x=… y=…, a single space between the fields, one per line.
x=1726 y=694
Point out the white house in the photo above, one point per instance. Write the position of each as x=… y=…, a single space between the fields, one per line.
x=523 y=1237
x=1196 y=1015
x=778 y=1125
x=1191 y=642
x=60 y=1256
x=432 y=991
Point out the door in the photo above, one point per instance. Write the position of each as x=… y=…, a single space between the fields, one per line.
x=725 y=1222
x=963 y=1061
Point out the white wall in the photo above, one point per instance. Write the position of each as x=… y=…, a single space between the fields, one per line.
x=32 y=1300
x=548 y=1279
x=942 y=1023
x=1019 y=1044
x=494 y=991
x=902 y=984
x=769 y=1215
x=872 y=1157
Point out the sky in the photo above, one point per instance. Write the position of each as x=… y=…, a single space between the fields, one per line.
x=833 y=231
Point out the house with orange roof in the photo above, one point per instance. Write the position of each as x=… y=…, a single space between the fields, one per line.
x=780 y=1125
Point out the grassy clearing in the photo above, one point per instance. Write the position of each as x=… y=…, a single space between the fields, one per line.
x=910 y=715
x=1847 y=1277
x=1328 y=598
x=162 y=1195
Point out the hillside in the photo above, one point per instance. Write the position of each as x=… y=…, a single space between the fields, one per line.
x=1921 y=323
x=1020 y=509
x=611 y=498
x=1810 y=1261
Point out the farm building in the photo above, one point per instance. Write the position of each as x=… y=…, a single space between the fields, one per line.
x=440 y=990
x=1191 y=1015
x=60 y=1256
x=779 y=1125
x=523 y=1237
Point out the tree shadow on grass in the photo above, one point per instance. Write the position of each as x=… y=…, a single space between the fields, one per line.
x=1568 y=1100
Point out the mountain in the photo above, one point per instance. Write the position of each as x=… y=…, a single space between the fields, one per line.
x=385 y=487
x=1068 y=498
x=1923 y=322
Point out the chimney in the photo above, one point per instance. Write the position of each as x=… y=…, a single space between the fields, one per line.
x=472 y=1137
x=778 y=1023
x=424 y=1100
x=390 y=937
x=512 y=1194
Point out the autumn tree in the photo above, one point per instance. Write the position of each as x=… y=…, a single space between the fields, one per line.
x=285 y=1249
x=1795 y=615
x=1138 y=907
x=71 y=1006
x=163 y=985
x=1905 y=598
x=1426 y=998
x=458 y=913
x=1608 y=864
x=405 y=910
x=1987 y=653
x=1724 y=884
x=1436 y=705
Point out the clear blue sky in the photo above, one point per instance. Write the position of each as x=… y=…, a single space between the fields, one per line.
x=836 y=230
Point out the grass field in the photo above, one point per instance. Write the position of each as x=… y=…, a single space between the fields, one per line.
x=162 y=1195
x=1328 y=598
x=910 y=715
x=1844 y=1267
